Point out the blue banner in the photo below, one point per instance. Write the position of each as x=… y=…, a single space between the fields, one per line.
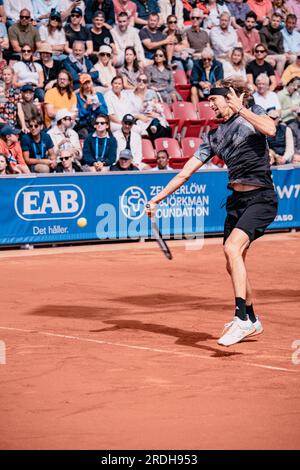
x=60 y=208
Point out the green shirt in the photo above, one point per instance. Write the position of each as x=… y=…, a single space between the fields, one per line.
x=28 y=35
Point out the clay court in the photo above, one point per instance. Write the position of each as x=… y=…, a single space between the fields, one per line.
x=115 y=347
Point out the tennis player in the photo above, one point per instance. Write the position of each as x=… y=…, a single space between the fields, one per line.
x=240 y=141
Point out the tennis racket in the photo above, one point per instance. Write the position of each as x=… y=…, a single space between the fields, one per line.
x=157 y=235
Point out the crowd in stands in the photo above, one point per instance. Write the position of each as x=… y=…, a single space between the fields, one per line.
x=122 y=85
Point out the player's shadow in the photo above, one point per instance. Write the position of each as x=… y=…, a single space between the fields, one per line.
x=184 y=338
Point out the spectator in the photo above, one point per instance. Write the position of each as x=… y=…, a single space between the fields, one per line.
x=130 y=70
x=76 y=32
x=100 y=147
x=154 y=111
x=160 y=77
x=291 y=38
x=248 y=36
x=128 y=139
x=137 y=98
x=105 y=68
x=8 y=108
x=280 y=7
x=100 y=35
x=106 y=6
x=271 y=37
x=281 y=145
x=189 y=5
x=77 y=63
x=50 y=66
x=59 y=97
x=295 y=127
x=38 y=148
x=89 y=103
x=28 y=108
x=66 y=162
x=258 y=66
x=289 y=99
x=236 y=64
x=152 y=38
x=4 y=42
x=118 y=103
x=13 y=8
x=28 y=71
x=3 y=165
x=291 y=71
x=125 y=162
x=197 y=38
x=263 y=10
x=11 y=148
x=125 y=36
x=263 y=96
x=54 y=35
x=171 y=7
x=179 y=52
x=126 y=6
x=215 y=9
x=63 y=136
x=223 y=38
x=205 y=73
x=238 y=10
x=23 y=33
x=162 y=160
x=145 y=8
x=294 y=7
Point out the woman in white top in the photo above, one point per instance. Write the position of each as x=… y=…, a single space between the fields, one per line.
x=28 y=71
x=235 y=67
x=54 y=35
x=263 y=96
x=215 y=10
x=105 y=68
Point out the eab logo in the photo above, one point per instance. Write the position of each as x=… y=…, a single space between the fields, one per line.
x=133 y=201
x=47 y=202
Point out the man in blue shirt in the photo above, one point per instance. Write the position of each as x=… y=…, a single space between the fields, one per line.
x=291 y=38
x=38 y=148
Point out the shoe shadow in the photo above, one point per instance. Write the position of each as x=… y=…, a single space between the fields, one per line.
x=184 y=338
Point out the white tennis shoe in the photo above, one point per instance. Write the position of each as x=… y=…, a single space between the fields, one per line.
x=236 y=331
x=258 y=327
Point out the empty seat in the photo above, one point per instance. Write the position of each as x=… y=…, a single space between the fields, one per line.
x=170 y=145
x=189 y=145
x=148 y=152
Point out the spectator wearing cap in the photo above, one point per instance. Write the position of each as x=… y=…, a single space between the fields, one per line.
x=101 y=36
x=260 y=65
x=51 y=67
x=105 y=67
x=289 y=99
x=125 y=162
x=76 y=32
x=100 y=147
x=162 y=160
x=128 y=7
x=28 y=71
x=38 y=148
x=125 y=36
x=281 y=145
x=62 y=134
x=11 y=148
x=129 y=139
x=89 y=104
x=23 y=32
x=77 y=63
x=9 y=106
x=263 y=96
x=61 y=96
x=28 y=108
x=106 y=6
x=67 y=163
x=295 y=127
x=53 y=35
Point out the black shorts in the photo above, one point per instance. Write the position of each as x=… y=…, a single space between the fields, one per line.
x=250 y=211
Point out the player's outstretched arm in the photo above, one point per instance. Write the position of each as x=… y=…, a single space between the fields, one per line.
x=192 y=165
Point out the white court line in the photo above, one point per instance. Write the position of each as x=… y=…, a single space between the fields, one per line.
x=142 y=348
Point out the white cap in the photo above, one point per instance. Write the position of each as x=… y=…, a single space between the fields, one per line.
x=62 y=113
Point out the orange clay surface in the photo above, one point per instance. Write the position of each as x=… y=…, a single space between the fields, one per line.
x=115 y=347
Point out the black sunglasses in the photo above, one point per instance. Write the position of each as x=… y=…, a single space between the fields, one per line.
x=67 y=118
x=259 y=51
x=75 y=16
x=172 y=22
x=34 y=126
x=128 y=123
x=66 y=157
x=142 y=80
x=26 y=50
x=159 y=55
x=105 y=54
x=196 y=18
x=100 y=122
x=24 y=17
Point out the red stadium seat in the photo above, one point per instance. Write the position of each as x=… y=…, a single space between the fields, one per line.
x=185 y=111
x=189 y=146
x=204 y=110
x=169 y=144
x=193 y=128
x=167 y=110
x=180 y=77
x=148 y=152
x=173 y=123
x=177 y=163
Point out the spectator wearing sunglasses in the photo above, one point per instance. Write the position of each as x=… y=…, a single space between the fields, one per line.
x=100 y=147
x=62 y=134
x=105 y=67
x=205 y=73
x=258 y=66
x=171 y=7
x=197 y=38
x=23 y=32
x=76 y=32
x=66 y=162
x=128 y=139
x=38 y=148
